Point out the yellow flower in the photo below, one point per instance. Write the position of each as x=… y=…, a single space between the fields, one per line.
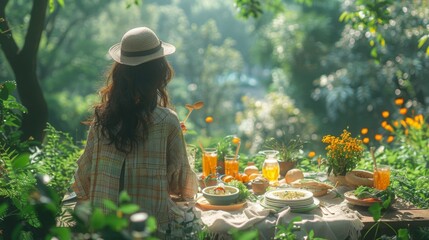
x=236 y=140
x=311 y=154
x=385 y=114
x=343 y=152
x=419 y=118
x=399 y=101
x=365 y=140
x=364 y=131
x=390 y=139
x=383 y=124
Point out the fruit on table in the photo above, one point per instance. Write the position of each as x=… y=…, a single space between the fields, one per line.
x=254 y=175
x=293 y=175
x=249 y=170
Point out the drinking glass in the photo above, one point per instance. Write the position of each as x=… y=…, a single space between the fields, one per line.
x=231 y=165
x=209 y=162
x=271 y=168
x=381 y=177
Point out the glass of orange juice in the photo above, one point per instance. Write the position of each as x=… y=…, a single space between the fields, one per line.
x=231 y=165
x=381 y=177
x=271 y=168
x=209 y=162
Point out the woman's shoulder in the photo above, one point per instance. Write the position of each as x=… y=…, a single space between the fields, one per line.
x=164 y=114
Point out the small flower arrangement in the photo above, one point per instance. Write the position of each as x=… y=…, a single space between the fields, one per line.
x=343 y=153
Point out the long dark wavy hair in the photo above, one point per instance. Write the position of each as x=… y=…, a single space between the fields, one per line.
x=128 y=100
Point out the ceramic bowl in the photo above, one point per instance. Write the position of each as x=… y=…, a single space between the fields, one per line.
x=226 y=199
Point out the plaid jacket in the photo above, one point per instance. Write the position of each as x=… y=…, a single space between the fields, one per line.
x=153 y=170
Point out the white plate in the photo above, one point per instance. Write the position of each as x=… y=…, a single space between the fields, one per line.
x=272 y=195
x=291 y=204
x=301 y=209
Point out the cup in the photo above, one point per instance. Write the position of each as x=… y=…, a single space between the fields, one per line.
x=381 y=177
x=209 y=162
x=231 y=165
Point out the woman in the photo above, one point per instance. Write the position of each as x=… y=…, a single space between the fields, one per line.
x=135 y=142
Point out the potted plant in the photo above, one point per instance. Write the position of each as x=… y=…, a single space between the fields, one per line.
x=289 y=153
x=343 y=154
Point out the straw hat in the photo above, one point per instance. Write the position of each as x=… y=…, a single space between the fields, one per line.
x=139 y=45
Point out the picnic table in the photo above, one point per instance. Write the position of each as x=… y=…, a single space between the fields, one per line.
x=335 y=218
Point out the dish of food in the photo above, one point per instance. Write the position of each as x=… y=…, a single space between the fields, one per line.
x=221 y=195
x=289 y=195
x=365 y=202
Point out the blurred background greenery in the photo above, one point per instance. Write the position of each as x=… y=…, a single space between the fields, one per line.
x=294 y=70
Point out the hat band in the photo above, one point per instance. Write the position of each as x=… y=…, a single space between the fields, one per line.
x=141 y=53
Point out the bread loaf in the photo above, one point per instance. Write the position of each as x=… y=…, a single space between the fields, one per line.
x=357 y=178
x=293 y=175
x=249 y=170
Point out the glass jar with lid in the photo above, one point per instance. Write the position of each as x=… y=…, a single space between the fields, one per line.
x=271 y=168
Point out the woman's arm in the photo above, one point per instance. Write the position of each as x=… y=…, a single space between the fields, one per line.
x=82 y=175
x=182 y=179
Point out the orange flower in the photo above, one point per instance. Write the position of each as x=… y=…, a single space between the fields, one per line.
x=236 y=140
x=364 y=131
x=378 y=137
x=365 y=140
x=396 y=123
x=383 y=124
x=403 y=111
x=311 y=154
x=389 y=128
x=399 y=101
x=385 y=114
x=209 y=119
x=390 y=139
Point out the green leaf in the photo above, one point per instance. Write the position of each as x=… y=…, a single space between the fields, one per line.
x=110 y=205
x=403 y=234
x=21 y=161
x=116 y=223
x=61 y=2
x=3 y=209
x=375 y=211
x=129 y=208
x=344 y=16
x=423 y=40
x=151 y=224
x=61 y=232
x=97 y=219
x=374 y=52
x=124 y=197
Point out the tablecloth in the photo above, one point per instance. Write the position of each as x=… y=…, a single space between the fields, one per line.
x=344 y=223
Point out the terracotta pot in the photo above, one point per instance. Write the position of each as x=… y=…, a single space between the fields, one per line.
x=286 y=166
x=259 y=188
x=338 y=180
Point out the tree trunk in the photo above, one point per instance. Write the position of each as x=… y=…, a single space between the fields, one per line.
x=24 y=64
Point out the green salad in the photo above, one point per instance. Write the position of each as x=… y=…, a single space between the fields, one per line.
x=369 y=193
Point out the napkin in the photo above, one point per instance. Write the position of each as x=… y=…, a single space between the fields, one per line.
x=221 y=221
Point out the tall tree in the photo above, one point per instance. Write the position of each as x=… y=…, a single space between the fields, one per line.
x=23 y=62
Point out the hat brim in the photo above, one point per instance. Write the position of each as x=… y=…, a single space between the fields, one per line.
x=115 y=53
